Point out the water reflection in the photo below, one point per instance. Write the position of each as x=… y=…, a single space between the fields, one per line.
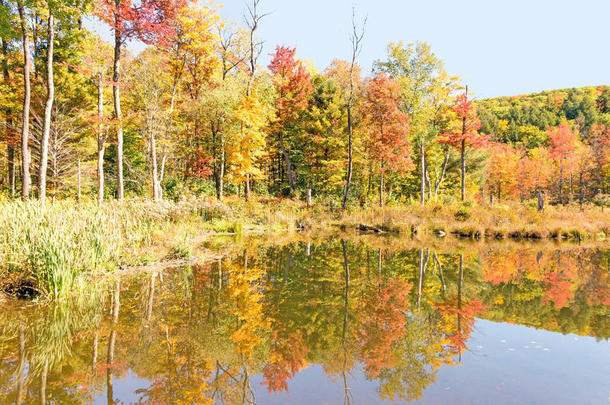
x=241 y=329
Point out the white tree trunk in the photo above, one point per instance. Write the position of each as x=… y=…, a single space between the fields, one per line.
x=48 y=110
x=100 y=141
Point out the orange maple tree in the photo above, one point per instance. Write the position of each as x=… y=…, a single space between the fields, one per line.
x=468 y=135
x=387 y=127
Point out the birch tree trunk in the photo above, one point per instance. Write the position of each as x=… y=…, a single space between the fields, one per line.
x=100 y=140
x=222 y=169
x=439 y=181
x=350 y=153
x=153 y=159
x=48 y=110
x=422 y=196
x=162 y=174
x=25 y=122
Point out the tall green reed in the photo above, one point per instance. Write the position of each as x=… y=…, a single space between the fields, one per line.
x=56 y=247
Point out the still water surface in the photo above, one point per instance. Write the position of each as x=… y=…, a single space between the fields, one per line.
x=326 y=323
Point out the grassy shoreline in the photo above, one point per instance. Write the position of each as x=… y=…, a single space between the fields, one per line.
x=55 y=250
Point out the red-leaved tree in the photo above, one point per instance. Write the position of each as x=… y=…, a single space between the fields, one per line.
x=563 y=141
x=468 y=135
x=387 y=127
x=146 y=20
x=293 y=85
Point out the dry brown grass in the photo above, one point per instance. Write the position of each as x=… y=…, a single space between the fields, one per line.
x=514 y=220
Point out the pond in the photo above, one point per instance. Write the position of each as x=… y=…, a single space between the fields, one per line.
x=326 y=322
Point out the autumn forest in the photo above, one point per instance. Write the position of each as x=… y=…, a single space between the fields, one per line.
x=194 y=211
x=194 y=114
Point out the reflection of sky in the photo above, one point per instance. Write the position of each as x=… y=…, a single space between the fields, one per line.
x=511 y=364
x=506 y=364
x=124 y=389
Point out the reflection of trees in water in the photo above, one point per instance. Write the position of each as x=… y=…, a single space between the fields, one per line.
x=37 y=345
x=201 y=333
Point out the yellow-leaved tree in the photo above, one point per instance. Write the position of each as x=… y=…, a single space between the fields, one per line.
x=248 y=146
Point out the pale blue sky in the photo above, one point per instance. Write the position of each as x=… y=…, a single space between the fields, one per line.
x=497 y=47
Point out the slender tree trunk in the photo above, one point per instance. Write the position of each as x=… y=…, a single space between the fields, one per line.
x=215 y=166
x=221 y=180
x=21 y=367
x=247 y=188
x=151 y=296
x=78 y=182
x=162 y=174
x=421 y=277
x=440 y=271
x=560 y=183
x=350 y=156
x=571 y=195
x=48 y=110
x=219 y=162
x=580 y=190
x=94 y=357
x=43 y=382
x=10 y=148
x=112 y=342
x=100 y=140
x=153 y=159
x=346 y=296
x=439 y=181
x=11 y=164
x=379 y=265
x=356 y=40
x=35 y=42
x=291 y=180
x=25 y=122
x=381 y=186
x=428 y=183
x=369 y=188
x=117 y=103
x=422 y=196
x=463 y=163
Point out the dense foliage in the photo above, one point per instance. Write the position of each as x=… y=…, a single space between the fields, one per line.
x=195 y=114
